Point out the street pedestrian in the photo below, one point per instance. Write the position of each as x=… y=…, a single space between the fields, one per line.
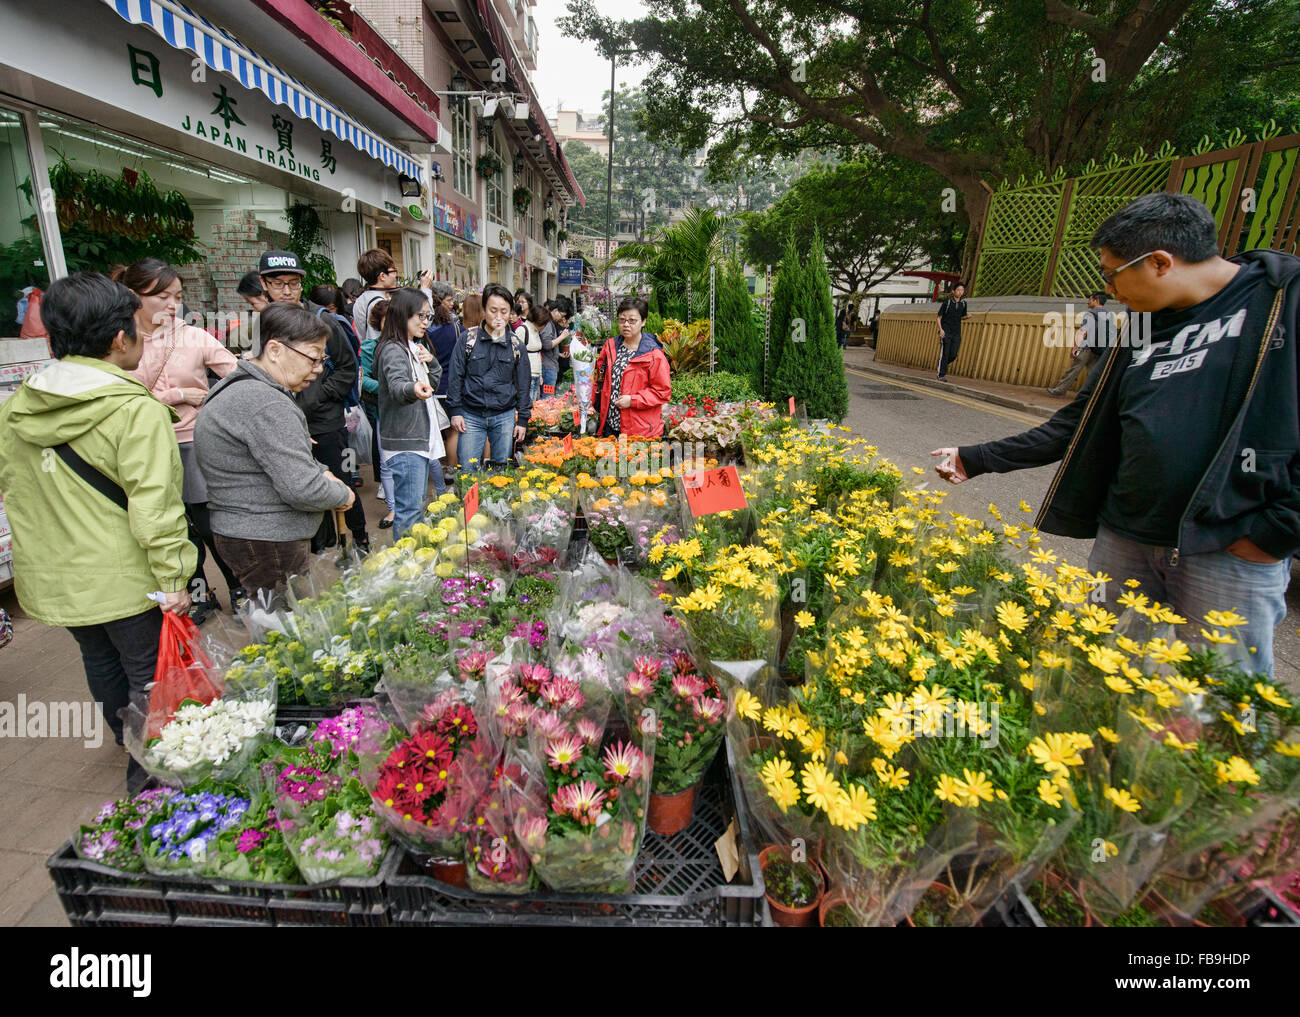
x=370 y=403
x=174 y=363
x=532 y=322
x=443 y=335
x=410 y=419
x=488 y=392
x=91 y=477
x=1181 y=453
x=951 y=313
x=266 y=490
x=555 y=335
x=632 y=377
x=324 y=398
x=1095 y=333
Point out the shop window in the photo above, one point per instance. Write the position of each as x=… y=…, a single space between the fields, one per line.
x=462 y=146
x=22 y=258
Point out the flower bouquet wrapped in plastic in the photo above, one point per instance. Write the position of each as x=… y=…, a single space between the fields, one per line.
x=580 y=812
x=421 y=784
x=495 y=860
x=214 y=741
x=544 y=514
x=181 y=831
x=687 y=717
x=111 y=838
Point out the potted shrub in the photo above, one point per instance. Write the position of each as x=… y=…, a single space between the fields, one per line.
x=793 y=889
x=1058 y=902
x=834 y=912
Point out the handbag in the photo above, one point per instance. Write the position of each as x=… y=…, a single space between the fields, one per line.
x=183 y=673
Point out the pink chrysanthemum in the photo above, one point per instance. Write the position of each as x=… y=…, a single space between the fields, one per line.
x=561 y=691
x=533 y=676
x=623 y=762
x=648 y=666
x=688 y=686
x=582 y=800
x=708 y=710
x=563 y=751
x=548 y=724
x=638 y=684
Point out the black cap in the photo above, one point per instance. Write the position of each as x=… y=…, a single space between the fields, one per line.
x=280 y=262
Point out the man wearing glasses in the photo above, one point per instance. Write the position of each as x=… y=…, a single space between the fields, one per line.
x=322 y=401
x=1181 y=453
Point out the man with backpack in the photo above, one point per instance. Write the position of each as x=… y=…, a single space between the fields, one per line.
x=951 y=313
x=324 y=400
x=488 y=393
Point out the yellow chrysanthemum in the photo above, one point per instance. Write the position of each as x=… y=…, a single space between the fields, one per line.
x=1122 y=799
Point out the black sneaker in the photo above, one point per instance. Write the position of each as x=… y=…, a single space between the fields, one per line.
x=202 y=610
x=237 y=598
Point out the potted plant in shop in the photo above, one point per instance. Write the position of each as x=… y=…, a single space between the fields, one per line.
x=523 y=197
x=794 y=889
x=548 y=227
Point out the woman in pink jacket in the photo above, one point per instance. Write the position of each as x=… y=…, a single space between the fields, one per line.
x=174 y=367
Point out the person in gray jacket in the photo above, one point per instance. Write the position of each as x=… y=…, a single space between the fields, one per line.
x=410 y=419
x=266 y=492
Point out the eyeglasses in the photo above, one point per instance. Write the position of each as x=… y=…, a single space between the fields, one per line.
x=630 y=321
x=316 y=361
x=1108 y=277
x=425 y=317
x=283 y=285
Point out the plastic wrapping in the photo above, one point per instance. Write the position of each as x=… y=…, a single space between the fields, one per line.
x=111 y=837
x=215 y=741
x=181 y=834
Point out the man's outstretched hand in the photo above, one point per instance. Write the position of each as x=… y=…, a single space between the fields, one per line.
x=949 y=465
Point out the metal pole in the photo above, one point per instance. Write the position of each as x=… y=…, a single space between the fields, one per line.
x=767 y=322
x=713 y=273
x=43 y=198
x=609 y=171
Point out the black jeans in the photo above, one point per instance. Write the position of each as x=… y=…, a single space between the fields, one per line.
x=948 y=347
x=120 y=658
x=200 y=523
x=328 y=451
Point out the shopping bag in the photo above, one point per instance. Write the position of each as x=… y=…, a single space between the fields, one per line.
x=360 y=435
x=33 y=327
x=183 y=672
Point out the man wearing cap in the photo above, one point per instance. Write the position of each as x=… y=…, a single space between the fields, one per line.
x=322 y=401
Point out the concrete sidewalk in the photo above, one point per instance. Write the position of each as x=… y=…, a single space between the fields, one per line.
x=1016 y=397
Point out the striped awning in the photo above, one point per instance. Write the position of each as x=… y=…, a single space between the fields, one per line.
x=221 y=51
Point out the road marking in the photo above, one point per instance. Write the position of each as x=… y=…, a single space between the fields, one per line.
x=974 y=404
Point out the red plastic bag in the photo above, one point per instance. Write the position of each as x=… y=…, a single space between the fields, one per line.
x=183 y=672
x=33 y=327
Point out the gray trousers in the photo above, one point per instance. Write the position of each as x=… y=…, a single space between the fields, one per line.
x=1082 y=362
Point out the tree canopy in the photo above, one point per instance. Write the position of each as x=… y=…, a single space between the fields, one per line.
x=875 y=216
x=973 y=89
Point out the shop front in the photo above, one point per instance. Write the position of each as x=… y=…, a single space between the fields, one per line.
x=501 y=254
x=456 y=244
x=177 y=117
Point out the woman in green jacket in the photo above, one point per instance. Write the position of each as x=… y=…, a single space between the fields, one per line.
x=91 y=479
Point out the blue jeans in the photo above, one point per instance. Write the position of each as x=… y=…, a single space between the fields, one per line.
x=549 y=375
x=1199 y=583
x=496 y=429
x=411 y=473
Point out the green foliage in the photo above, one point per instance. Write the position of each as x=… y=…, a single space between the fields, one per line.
x=739 y=345
x=721 y=386
x=876 y=216
x=677 y=255
x=811 y=370
x=789 y=280
x=655 y=323
x=306 y=233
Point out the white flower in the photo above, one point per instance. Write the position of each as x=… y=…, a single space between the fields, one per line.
x=209 y=734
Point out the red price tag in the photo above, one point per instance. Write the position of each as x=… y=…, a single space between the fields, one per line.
x=709 y=491
x=568 y=444
x=471 y=503
x=577 y=418
x=548 y=390
x=792 y=406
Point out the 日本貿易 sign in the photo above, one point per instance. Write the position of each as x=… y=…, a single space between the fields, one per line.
x=130 y=68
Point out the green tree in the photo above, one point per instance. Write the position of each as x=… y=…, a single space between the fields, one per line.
x=789 y=282
x=589 y=170
x=975 y=90
x=737 y=338
x=875 y=216
x=810 y=366
x=674 y=261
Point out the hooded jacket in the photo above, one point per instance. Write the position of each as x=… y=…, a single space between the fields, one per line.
x=1229 y=501
x=646 y=379
x=79 y=559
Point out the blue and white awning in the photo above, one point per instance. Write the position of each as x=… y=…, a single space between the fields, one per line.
x=221 y=51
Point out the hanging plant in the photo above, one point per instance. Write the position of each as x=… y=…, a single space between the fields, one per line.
x=548 y=227
x=562 y=236
x=306 y=233
x=523 y=198
x=488 y=165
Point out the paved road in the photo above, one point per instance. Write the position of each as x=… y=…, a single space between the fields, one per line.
x=906 y=421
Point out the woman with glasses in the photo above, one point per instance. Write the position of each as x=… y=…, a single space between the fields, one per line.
x=632 y=378
x=410 y=419
x=444 y=333
x=267 y=493
x=530 y=319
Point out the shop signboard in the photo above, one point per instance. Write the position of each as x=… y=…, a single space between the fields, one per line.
x=570 y=272
x=132 y=69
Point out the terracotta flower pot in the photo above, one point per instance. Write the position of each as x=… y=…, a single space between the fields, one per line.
x=834 y=899
x=947 y=892
x=782 y=914
x=1054 y=885
x=447 y=870
x=670 y=814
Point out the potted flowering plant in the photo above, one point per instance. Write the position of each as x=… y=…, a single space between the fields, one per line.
x=495 y=861
x=687 y=720
x=111 y=837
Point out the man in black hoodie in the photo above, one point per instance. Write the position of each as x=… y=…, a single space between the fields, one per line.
x=1181 y=453
x=323 y=400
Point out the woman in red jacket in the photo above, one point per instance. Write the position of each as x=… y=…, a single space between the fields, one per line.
x=632 y=379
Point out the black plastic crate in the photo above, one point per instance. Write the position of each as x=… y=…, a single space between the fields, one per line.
x=678 y=880
x=94 y=895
